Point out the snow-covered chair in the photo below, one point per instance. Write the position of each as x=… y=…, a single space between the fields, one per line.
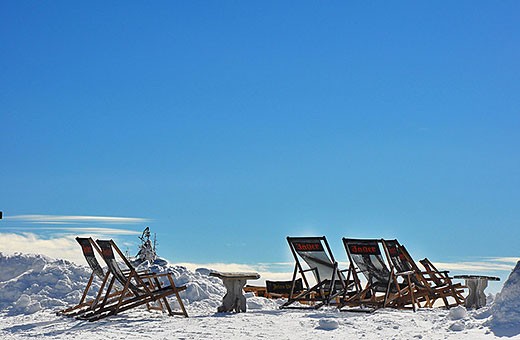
x=384 y=287
x=139 y=288
x=330 y=283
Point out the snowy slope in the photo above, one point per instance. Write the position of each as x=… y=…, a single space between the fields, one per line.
x=33 y=287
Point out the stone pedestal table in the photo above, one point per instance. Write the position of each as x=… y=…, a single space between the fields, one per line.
x=234 y=300
x=476 y=284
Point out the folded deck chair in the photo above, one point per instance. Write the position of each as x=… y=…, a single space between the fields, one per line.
x=384 y=287
x=443 y=279
x=329 y=282
x=139 y=288
x=89 y=247
x=438 y=284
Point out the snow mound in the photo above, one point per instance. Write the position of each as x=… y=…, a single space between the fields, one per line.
x=254 y=302
x=202 y=291
x=458 y=313
x=457 y=326
x=506 y=307
x=29 y=283
x=328 y=324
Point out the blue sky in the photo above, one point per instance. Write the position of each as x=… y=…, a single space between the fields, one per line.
x=227 y=126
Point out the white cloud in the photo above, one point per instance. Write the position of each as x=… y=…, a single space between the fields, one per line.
x=57 y=219
x=511 y=260
x=58 y=247
x=262 y=269
x=476 y=267
x=64 y=247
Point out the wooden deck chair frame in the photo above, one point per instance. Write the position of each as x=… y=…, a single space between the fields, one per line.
x=327 y=290
x=443 y=281
x=139 y=288
x=89 y=248
x=437 y=287
x=385 y=287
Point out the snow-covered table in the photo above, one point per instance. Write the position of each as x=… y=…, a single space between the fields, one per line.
x=234 y=283
x=476 y=284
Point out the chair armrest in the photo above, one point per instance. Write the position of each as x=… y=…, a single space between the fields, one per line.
x=128 y=271
x=406 y=273
x=155 y=274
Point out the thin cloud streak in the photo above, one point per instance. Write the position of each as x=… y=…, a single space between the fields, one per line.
x=512 y=260
x=474 y=266
x=105 y=231
x=61 y=231
x=77 y=219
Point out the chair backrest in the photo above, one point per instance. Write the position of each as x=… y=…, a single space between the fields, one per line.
x=439 y=278
x=87 y=246
x=398 y=258
x=108 y=255
x=402 y=261
x=366 y=255
x=315 y=251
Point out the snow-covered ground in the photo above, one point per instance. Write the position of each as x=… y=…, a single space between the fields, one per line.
x=34 y=287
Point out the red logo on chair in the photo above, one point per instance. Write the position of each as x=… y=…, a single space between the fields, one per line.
x=87 y=250
x=364 y=249
x=304 y=246
x=393 y=251
x=107 y=252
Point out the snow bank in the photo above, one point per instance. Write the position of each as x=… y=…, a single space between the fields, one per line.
x=506 y=307
x=29 y=283
x=33 y=286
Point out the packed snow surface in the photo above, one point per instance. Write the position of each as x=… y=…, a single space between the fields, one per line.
x=34 y=287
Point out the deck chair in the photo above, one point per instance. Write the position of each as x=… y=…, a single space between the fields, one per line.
x=442 y=279
x=384 y=287
x=330 y=283
x=139 y=288
x=438 y=284
x=89 y=247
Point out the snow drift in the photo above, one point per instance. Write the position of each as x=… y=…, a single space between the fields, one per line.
x=506 y=307
x=29 y=283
